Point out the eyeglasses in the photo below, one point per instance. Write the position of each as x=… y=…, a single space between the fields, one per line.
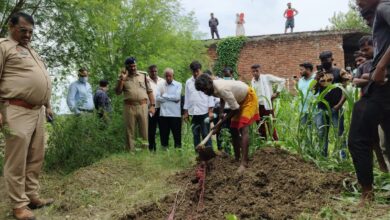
x=24 y=30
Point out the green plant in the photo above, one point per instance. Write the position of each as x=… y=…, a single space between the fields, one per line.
x=228 y=52
x=78 y=141
x=231 y=217
x=303 y=138
x=351 y=20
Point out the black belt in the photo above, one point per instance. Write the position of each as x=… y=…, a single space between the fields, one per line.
x=85 y=110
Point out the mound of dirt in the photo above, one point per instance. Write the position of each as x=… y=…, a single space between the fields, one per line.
x=277 y=185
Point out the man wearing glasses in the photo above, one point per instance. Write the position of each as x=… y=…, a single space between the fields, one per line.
x=327 y=76
x=25 y=90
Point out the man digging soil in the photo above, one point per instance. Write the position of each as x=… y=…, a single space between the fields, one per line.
x=244 y=111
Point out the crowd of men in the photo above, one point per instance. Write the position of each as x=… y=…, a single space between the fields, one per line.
x=370 y=128
x=150 y=102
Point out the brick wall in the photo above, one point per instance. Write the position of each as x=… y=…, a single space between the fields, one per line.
x=281 y=54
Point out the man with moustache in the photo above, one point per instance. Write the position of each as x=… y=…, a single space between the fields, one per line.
x=25 y=90
x=136 y=92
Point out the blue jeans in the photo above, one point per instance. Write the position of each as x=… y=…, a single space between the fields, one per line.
x=323 y=125
x=199 y=127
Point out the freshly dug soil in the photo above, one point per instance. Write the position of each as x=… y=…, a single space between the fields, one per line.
x=277 y=185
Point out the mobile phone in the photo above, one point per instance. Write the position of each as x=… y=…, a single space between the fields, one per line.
x=49 y=119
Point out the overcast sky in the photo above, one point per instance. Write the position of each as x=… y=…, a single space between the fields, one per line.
x=264 y=16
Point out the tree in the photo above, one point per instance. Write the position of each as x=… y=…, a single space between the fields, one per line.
x=348 y=21
x=100 y=34
x=8 y=7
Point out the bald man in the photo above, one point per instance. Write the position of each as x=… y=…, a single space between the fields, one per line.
x=169 y=97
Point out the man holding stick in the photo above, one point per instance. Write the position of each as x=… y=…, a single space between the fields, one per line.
x=243 y=103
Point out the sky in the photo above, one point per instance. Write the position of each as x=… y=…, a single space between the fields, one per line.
x=263 y=16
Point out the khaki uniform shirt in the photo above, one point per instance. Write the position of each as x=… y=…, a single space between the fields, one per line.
x=136 y=89
x=23 y=74
x=232 y=92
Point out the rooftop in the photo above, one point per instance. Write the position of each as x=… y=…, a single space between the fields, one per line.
x=348 y=36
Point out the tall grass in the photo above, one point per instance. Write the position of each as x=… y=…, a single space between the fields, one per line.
x=303 y=138
x=77 y=141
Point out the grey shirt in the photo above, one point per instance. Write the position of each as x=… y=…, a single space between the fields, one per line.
x=363 y=68
x=213 y=23
x=381 y=32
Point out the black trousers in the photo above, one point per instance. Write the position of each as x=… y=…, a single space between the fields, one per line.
x=152 y=128
x=214 y=31
x=368 y=113
x=200 y=128
x=166 y=125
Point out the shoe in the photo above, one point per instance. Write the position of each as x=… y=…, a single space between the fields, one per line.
x=23 y=213
x=39 y=203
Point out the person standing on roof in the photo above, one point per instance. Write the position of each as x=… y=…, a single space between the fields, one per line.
x=289 y=14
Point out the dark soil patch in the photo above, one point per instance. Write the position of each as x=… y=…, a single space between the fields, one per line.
x=277 y=185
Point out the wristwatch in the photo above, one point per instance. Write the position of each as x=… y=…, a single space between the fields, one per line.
x=154 y=105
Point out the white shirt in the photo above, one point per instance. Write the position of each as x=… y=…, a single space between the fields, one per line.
x=217 y=100
x=263 y=88
x=196 y=102
x=168 y=97
x=154 y=87
x=232 y=92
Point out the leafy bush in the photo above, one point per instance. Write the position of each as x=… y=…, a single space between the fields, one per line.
x=78 y=141
x=228 y=51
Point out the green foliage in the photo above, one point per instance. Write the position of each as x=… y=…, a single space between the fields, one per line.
x=350 y=20
x=303 y=138
x=78 y=141
x=228 y=52
x=101 y=34
x=7 y=8
x=1 y=162
x=231 y=217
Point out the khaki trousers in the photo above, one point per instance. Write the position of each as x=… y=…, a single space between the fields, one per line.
x=136 y=115
x=24 y=152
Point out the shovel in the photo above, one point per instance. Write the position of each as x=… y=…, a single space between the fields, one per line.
x=206 y=153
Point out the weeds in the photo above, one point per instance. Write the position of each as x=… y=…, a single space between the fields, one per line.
x=78 y=141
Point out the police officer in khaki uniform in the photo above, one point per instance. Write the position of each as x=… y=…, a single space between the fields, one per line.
x=25 y=89
x=136 y=91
